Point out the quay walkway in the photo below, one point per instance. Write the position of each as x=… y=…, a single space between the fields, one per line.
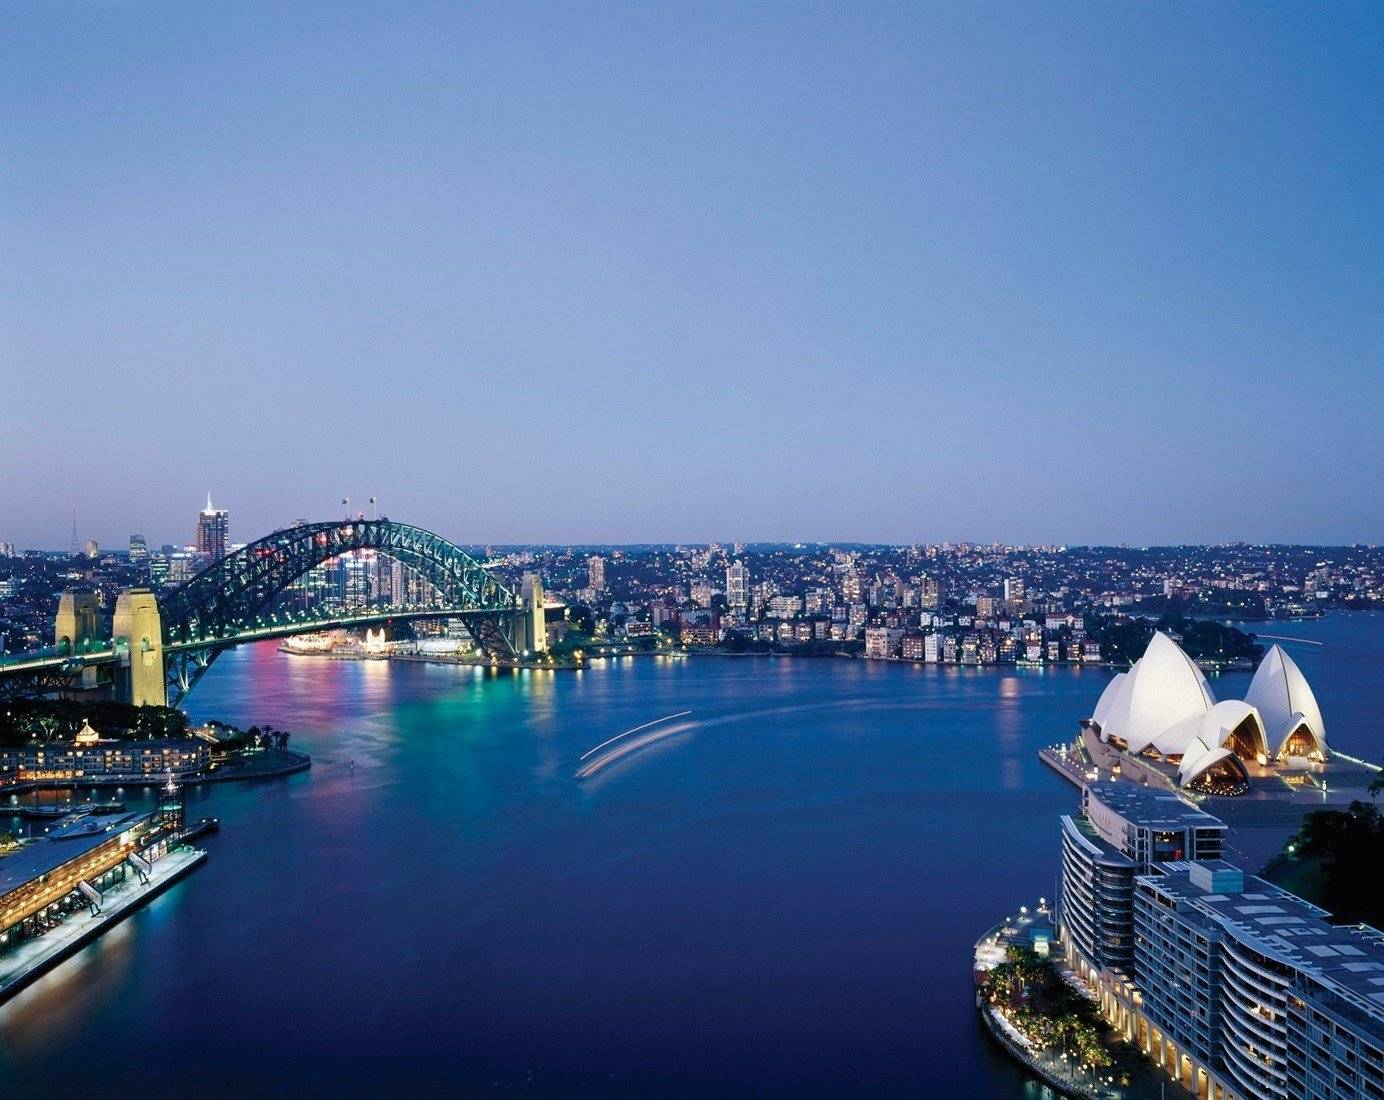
x=1060 y=1075
x=36 y=957
x=1061 y=760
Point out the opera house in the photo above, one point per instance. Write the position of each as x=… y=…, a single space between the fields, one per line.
x=1161 y=717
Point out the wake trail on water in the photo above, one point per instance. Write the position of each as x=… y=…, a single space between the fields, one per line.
x=636 y=729
x=623 y=750
x=626 y=748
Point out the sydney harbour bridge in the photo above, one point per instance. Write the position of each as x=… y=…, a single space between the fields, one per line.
x=161 y=644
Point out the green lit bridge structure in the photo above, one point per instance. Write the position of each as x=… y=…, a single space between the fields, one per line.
x=162 y=644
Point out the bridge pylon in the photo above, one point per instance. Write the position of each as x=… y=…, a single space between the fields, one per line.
x=535 y=618
x=138 y=635
x=78 y=619
x=76 y=626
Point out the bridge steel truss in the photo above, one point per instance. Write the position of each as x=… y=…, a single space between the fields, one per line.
x=230 y=601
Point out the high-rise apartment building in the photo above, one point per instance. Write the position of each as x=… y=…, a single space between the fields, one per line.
x=1238 y=989
x=213 y=531
x=930 y=593
x=1122 y=831
x=595 y=573
x=737 y=586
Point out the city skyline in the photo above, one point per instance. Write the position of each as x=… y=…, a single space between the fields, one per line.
x=610 y=275
x=230 y=537
x=692 y=549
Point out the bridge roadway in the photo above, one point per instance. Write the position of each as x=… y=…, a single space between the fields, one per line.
x=67 y=660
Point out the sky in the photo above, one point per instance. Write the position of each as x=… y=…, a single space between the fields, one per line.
x=1044 y=273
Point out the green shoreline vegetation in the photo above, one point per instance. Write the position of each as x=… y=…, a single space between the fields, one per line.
x=1029 y=992
x=247 y=752
x=1334 y=861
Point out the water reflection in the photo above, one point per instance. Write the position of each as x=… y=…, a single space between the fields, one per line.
x=790 y=896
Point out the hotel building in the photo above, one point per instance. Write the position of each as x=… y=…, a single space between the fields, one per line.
x=90 y=756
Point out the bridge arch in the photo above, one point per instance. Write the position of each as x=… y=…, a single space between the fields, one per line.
x=232 y=599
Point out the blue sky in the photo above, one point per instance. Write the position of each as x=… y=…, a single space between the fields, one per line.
x=1046 y=273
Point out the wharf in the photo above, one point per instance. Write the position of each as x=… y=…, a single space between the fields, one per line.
x=36 y=957
x=202 y=828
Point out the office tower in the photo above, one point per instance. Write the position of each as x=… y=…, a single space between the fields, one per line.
x=213 y=530
x=139 y=550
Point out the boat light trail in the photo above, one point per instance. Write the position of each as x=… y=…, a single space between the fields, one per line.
x=633 y=746
x=646 y=725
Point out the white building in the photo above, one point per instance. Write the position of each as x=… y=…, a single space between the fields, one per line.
x=1163 y=709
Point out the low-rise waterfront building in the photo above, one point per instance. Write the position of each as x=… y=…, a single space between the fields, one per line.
x=66 y=871
x=90 y=756
x=882 y=642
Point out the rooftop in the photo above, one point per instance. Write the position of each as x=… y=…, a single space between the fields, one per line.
x=1096 y=845
x=1151 y=807
x=48 y=854
x=1347 y=959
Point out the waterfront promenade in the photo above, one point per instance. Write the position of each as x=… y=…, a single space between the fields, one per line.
x=1056 y=1071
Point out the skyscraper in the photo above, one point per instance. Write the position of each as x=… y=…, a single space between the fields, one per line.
x=139 y=550
x=595 y=572
x=213 y=530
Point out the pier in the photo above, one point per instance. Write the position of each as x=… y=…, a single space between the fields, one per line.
x=36 y=957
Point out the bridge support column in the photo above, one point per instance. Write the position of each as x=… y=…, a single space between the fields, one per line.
x=77 y=625
x=138 y=634
x=78 y=619
x=535 y=638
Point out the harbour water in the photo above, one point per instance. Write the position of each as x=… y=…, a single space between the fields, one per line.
x=780 y=899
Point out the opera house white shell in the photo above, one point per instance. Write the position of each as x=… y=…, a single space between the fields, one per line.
x=1163 y=707
x=1289 y=710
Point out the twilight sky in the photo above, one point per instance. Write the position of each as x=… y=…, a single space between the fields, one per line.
x=563 y=272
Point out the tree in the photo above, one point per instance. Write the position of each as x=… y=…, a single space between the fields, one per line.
x=1350 y=847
